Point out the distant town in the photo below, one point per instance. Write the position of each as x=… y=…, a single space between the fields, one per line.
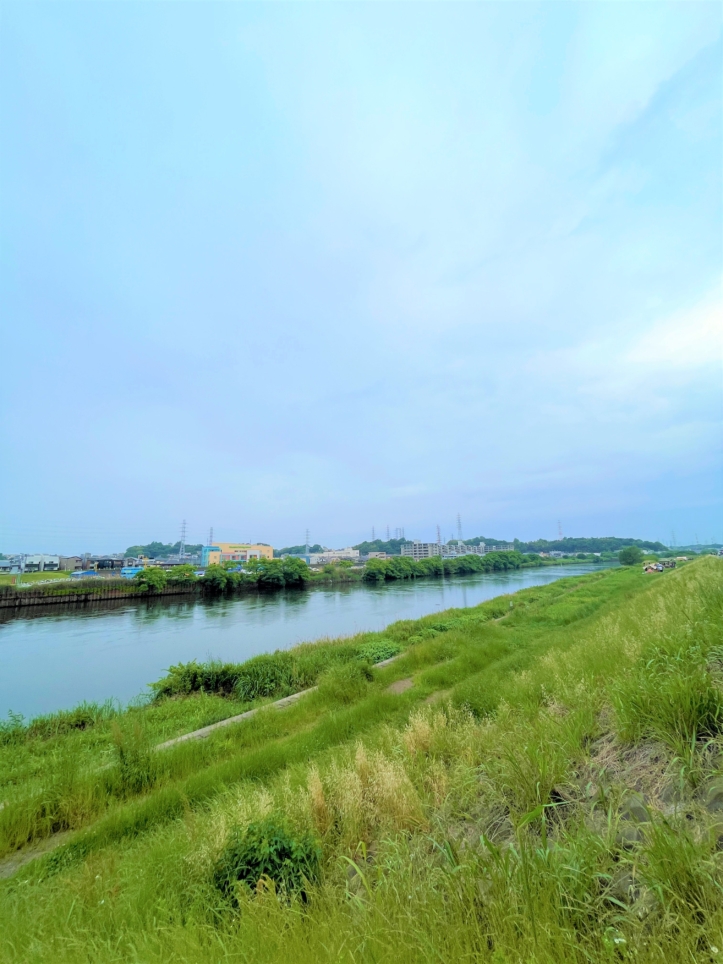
x=168 y=556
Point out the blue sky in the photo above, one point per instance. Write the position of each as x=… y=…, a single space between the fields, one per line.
x=267 y=267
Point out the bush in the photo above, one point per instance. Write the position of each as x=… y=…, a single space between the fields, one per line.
x=267 y=849
x=631 y=556
x=378 y=650
x=184 y=573
x=152 y=578
x=215 y=579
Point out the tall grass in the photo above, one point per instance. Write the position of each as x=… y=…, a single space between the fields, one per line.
x=446 y=832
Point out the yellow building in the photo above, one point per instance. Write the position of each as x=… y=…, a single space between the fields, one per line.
x=234 y=552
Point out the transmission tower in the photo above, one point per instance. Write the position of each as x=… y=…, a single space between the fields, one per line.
x=439 y=537
x=459 y=527
x=210 y=536
x=182 y=547
x=307 y=542
x=373 y=535
x=387 y=532
x=559 y=529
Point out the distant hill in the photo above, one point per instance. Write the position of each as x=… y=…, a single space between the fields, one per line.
x=297 y=550
x=161 y=550
x=602 y=544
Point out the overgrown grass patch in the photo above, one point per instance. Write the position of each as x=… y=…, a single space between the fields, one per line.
x=446 y=833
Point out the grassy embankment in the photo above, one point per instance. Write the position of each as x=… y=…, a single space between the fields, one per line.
x=544 y=791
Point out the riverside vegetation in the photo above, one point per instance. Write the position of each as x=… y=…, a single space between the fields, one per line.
x=272 y=575
x=538 y=778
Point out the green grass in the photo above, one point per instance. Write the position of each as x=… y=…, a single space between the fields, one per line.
x=490 y=825
x=31 y=577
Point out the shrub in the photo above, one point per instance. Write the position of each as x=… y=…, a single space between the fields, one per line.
x=630 y=556
x=184 y=573
x=215 y=579
x=267 y=849
x=152 y=578
x=378 y=650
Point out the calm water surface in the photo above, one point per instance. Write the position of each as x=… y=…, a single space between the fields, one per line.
x=58 y=659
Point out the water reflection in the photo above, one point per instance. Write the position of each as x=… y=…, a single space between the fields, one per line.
x=53 y=657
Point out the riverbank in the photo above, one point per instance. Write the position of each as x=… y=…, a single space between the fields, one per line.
x=271 y=578
x=531 y=779
x=55 y=656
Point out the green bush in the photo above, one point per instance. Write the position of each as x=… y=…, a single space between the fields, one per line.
x=267 y=849
x=270 y=674
x=153 y=578
x=378 y=650
x=215 y=579
x=631 y=556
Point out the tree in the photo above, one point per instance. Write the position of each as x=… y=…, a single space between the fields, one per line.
x=153 y=578
x=375 y=570
x=215 y=578
x=630 y=556
x=185 y=573
x=295 y=572
x=271 y=574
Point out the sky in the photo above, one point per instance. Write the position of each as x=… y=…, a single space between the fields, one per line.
x=270 y=267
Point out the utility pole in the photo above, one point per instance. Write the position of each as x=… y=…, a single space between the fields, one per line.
x=182 y=547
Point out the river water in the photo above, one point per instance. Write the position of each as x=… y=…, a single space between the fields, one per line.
x=57 y=659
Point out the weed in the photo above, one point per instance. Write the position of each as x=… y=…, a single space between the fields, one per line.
x=266 y=850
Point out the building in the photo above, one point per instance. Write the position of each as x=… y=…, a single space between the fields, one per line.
x=422 y=550
x=450 y=550
x=327 y=556
x=39 y=562
x=234 y=552
x=70 y=563
x=12 y=565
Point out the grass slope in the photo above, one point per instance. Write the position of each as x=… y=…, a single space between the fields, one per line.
x=545 y=790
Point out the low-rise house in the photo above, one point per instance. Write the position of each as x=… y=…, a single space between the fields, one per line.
x=71 y=563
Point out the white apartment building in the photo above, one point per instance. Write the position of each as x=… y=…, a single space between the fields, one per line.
x=424 y=550
x=332 y=555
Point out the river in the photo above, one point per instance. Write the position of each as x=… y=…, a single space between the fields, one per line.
x=55 y=660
